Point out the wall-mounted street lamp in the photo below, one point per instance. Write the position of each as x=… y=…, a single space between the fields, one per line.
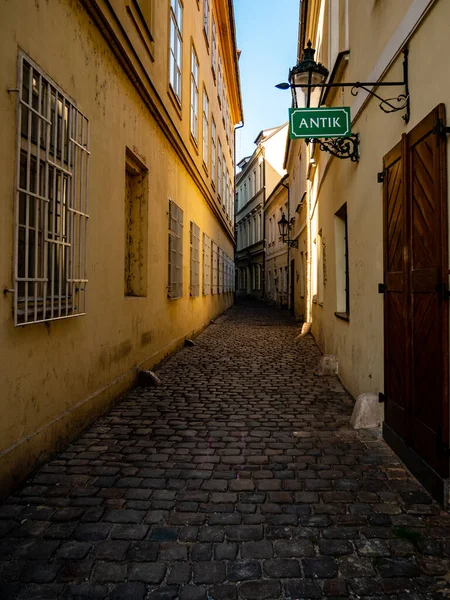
x=284 y=226
x=307 y=82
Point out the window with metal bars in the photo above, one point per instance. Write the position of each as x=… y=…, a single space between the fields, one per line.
x=226 y=273
x=214 y=269
x=258 y=278
x=176 y=46
x=195 y=260
x=51 y=201
x=206 y=265
x=175 y=263
x=220 y=269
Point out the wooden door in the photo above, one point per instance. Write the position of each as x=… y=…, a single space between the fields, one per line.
x=416 y=296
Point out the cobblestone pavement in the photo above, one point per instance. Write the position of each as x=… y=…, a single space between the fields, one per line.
x=239 y=477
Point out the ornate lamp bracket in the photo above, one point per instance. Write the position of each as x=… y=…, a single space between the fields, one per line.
x=341 y=147
x=389 y=105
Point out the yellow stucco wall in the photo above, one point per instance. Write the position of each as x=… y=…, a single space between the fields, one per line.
x=358 y=343
x=55 y=378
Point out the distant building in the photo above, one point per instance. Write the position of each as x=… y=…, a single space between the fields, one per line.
x=258 y=176
x=276 y=260
x=117 y=203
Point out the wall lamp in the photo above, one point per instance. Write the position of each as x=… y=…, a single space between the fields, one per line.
x=307 y=82
x=284 y=226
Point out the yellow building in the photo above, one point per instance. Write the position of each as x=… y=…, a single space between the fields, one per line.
x=297 y=215
x=277 y=252
x=116 y=203
x=378 y=226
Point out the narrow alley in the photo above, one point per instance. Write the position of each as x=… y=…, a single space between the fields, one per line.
x=238 y=477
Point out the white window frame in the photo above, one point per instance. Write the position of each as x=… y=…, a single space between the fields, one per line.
x=176 y=47
x=194 y=234
x=213 y=47
x=175 y=251
x=219 y=80
x=205 y=131
x=206 y=19
x=224 y=176
x=206 y=265
x=213 y=151
x=51 y=200
x=219 y=169
x=194 y=94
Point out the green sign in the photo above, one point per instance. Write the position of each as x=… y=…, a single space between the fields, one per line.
x=319 y=122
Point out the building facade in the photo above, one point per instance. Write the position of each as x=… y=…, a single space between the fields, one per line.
x=277 y=255
x=378 y=278
x=258 y=176
x=117 y=229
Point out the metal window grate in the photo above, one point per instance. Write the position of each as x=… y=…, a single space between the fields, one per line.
x=206 y=265
x=225 y=273
x=51 y=201
x=220 y=268
x=214 y=270
x=195 y=259
x=175 y=262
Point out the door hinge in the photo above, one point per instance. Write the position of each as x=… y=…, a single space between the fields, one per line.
x=380 y=177
x=441 y=129
x=382 y=288
x=381 y=398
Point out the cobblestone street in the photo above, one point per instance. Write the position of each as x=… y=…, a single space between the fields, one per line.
x=238 y=477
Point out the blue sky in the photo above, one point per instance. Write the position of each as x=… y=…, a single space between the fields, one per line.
x=267 y=36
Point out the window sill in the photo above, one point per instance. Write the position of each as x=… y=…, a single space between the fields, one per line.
x=342 y=315
x=175 y=100
x=320 y=304
x=194 y=142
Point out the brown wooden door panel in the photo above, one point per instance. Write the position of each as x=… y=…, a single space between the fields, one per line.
x=415 y=309
x=395 y=308
x=427 y=308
